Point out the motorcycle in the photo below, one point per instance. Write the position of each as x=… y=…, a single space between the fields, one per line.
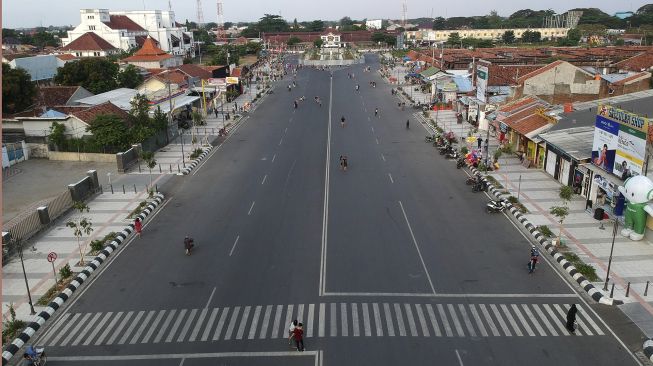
x=429 y=138
x=445 y=148
x=460 y=162
x=36 y=355
x=480 y=186
x=496 y=206
x=452 y=154
x=471 y=180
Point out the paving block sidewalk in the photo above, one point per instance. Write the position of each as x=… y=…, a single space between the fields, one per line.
x=108 y=212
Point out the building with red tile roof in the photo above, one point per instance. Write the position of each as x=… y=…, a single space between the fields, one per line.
x=90 y=45
x=151 y=56
x=88 y=115
x=639 y=62
x=52 y=96
x=560 y=82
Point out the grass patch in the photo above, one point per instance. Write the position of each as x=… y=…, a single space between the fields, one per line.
x=54 y=291
x=196 y=153
x=586 y=270
x=99 y=244
x=544 y=230
x=515 y=202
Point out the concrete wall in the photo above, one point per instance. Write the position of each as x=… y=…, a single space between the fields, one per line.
x=73 y=156
x=563 y=79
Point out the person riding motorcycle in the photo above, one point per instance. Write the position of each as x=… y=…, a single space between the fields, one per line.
x=535 y=254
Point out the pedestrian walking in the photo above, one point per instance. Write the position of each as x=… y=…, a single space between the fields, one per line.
x=188 y=244
x=298 y=335
x=344 y=163
x=479 y=141
x=138 y=226
x=291 y=329
x=571 y=318
x=216 y=112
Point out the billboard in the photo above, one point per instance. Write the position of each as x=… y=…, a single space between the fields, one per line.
x=231 y=80
x=481 y=82
x=619 y=141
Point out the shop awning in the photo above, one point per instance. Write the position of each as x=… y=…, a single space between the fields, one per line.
x=178 y=102
x=605 y=175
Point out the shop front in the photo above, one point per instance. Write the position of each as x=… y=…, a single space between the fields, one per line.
x=604 y=195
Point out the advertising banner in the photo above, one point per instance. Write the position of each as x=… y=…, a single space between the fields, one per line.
x=231 y=80
x=619 y=145
x=481 y=82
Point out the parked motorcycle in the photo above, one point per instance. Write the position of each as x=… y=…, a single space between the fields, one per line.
x=452 y=154
x=429 y=138
x=445 y=149
x=460 y=162
x=496 y=206
x=480 y=186
x=471 y=180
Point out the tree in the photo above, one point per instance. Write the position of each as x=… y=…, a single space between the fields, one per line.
x=57 y=134
x=81 y=226
x=17 y=89
x=97 y=75
x=378 y=37
x=318 y=42
x=454 y=39
x=316 y=26
x=439 y=23
x=530 y=36
x=150 y=162
x=129 y=77
x=561 y=212
x=346 y=24
x=508 y=37
x=295 y=25
x=293 y=41
x=109 y=130
x=573 y=37
x=272 y=23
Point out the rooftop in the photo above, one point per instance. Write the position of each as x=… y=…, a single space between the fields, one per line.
x=88 y=115
x=88 y=41
x=123 y=22
x=149 y=52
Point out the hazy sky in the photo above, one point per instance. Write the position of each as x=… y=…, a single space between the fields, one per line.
x=30 y=13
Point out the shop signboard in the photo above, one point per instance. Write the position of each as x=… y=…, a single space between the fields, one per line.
x=473 y=111
x=231 y=80
x=619 y=141
x=481 y=82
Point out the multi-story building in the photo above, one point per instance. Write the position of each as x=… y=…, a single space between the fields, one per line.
x=129 y=29
x=428 y=35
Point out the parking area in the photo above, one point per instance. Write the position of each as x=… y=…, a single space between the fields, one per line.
x=39 y=179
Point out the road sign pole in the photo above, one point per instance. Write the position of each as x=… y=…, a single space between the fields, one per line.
x=54 y=272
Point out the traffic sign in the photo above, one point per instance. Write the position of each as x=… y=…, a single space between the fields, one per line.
x=52 y=256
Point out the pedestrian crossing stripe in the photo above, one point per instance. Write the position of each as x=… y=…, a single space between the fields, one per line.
x=323 y=320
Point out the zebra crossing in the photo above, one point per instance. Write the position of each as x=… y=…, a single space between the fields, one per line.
x=322 y=320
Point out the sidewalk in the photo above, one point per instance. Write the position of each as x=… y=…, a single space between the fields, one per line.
x=108 y=213
x=632 y=261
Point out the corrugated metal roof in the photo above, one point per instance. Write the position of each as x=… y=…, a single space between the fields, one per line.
x=121 y=97
x=613 y=78
x=464 y=84
x=41 y=67
x=575 y=142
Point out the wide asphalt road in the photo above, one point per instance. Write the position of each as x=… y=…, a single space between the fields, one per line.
x=393 y=261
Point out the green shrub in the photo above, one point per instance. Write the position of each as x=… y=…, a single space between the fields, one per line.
x=464 y=150
x=544 y=230
x=586 y=270
x=97 y=245
x=65 y=272
x=513 y=199
x=196 y=153
x=12 y=327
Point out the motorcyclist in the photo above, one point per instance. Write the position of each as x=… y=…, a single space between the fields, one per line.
x=535 y=254
x=407 y=124
x=188 y=244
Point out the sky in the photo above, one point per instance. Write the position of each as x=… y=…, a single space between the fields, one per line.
x=31 y=13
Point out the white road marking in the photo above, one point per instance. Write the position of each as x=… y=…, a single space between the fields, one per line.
x=183 y=356
x=556 y=321
x=221 y=322
x=460 y=360
x=321 y=318
x=254 y=326
x=88 y=327
x=545 y=320
x=277 y=322
x=411 y=320
x=210 y=298
x=198 y=325
x=388 y=319
x=280 y=141
x=502 y=323
x=129 y=331
x=383 y=157
x=234 y=246
x=75 y=330
x=175 y=326
x=232 y=323
x=445 y=321
x=250 y=208
x=456 y=322
x=434 y=320
x=325 y=213
x=266 y=321
x=55 y=329
x=354 y=320
x=400 y=320
x=108 y=329
x=334 y=325
x=466 y=320
x=117 y=331
x=264 y=178
x=488 y=319
x=372 y=129
x=377 y=141
x=422 y=320
x=285 y=130
x=377 y=320
x=243 y=322
x=309 y=324
x=143 y=327
x=522 y=320
x=300 y=313
x=343 y=320
x=478 y=320
x=391 y=180
x=428 y=276
x=511 y=320
x=274 y=157
x=187 y=325
x=73 y=321
x=215 y=149
x=533 y=319
x=438 y=295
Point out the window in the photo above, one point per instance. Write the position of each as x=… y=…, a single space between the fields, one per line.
x=96 y=54
x=91 y=27
x=78 y=54
x=90 y=17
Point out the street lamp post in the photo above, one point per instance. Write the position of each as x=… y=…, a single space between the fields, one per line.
x=614 y=234
x=22 y=263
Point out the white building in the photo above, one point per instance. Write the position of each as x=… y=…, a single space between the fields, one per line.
x=374 y=24
x=128 y=29
x=428 y=35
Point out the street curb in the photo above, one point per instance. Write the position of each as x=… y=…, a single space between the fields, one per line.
x=597 y=295
x=648 y=349
x=194 y=163
x=55 y=304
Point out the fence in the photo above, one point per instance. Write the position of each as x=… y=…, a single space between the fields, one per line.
x=14 y=153
x=32 y=223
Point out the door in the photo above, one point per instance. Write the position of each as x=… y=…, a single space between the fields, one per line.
x=551 y=158
x=564 y=171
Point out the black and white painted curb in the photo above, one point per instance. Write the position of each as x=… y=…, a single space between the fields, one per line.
x=44 y=315
x=648 y=349
x=550 y=248
x=194 y=163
